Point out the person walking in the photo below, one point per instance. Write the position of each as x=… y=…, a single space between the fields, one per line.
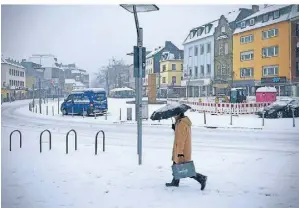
x=182 y=148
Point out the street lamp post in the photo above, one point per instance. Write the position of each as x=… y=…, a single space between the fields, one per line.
x=135 y=8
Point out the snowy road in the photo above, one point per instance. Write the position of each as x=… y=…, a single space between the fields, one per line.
x=246 y=168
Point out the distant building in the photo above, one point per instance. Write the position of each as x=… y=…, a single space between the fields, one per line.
x=13 y=81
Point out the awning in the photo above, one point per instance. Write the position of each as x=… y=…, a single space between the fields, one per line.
x=221 y=86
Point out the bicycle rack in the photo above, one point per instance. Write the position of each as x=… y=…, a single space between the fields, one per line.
x=96 y=142
x=20 y=134
x=67 y=140
x=40 y=140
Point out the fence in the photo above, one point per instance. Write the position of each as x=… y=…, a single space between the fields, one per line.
x=224 y=108
x=66 y=140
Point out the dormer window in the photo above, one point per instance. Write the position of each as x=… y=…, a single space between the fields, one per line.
x=199 y=31
x=207 y=28
x=276 y=14
x=223 y=29
x=243 y=25
x=265 y=17
x=251 y=22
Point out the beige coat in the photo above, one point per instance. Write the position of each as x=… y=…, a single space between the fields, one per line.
x=182 y=140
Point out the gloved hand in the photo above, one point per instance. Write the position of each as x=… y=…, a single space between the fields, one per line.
x=181 y=158
x=173 y=126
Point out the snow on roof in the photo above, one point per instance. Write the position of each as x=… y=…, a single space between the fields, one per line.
x=121 y=89
x=76 y=71
x=222 y=37
x=294 y=12
x=281 y=18
x=154 y=52
x=266 y=89
x=70 y=81
x=47 y=62
x=79 y=84
x=232 y=16
x=95 y=89
x=203 y=34
x=270 y=8
x=11 y=62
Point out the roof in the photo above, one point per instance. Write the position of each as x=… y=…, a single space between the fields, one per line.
x=231 y=17
x=266 y=10
x=70 y=81
x=11 y=62
x=76 y=71
x=47 y=62
x=95 y=89
x=154 y=52
x=121 y=89
x=266 y=89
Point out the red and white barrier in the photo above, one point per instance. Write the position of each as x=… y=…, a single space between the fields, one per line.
x=224 y=108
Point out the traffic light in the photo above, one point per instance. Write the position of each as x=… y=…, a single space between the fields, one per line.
x=136 y=61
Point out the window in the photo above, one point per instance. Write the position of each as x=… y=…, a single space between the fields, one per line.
x=209 y=69
x=246 y=55
x=173 y=67
x=270 y=33
x=10 y=83
x=9 y=71
x=199 y=31
x=164 y=80
x=265 y=17
x=243 y=25
x=207 y=29
x=202 y=49
x=246 y=72
x=276 y=14
x=182 y=67
x=164 y=68
x=270 y=51
x=195 y=50
x=190 y=71
x=202 y=70
x=221 y=50
x=190 y=52
x=181 y=78
x=270 y=70
x=223 y=29
x=208 y=47
x=196 y=71
x=246 y=39
x=226 y=48
x=173 y=80
x=297 y=8
x=251 y=22
x=297 y=50
x=297 y=69
x=297 y=29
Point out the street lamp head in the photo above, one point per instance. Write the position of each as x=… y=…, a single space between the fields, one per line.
x=140 y=7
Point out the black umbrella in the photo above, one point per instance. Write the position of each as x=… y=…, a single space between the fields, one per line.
x=168 y=111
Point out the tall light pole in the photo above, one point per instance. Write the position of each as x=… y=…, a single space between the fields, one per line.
x=135 y=8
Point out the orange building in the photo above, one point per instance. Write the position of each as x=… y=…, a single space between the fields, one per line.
x=262 y=52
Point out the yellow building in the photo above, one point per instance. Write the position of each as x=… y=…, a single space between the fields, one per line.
x=171 y=72
x=261 y=49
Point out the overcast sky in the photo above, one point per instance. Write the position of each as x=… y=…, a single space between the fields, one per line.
x=90 y=35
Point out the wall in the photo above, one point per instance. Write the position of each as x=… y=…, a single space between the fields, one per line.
x=168 y=74
x=283 y=40
x=294 y=59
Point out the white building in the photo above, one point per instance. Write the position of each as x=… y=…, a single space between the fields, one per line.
x=199 y=60
x=13 y=77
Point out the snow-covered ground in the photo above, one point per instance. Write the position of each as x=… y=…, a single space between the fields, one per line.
x=245 y=167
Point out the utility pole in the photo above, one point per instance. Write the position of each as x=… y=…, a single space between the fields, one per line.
x=33 y=95
x=40 y=98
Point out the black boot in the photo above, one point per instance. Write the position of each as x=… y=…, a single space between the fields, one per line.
x=201 y=179
x=173 y=183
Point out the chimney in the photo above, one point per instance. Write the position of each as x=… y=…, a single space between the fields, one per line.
x=255 y=8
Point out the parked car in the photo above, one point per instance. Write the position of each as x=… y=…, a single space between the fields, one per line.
x=280 y=109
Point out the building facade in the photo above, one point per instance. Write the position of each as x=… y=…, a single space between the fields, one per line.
x=223 y=38
x=13 y=81
x=199 y=60
x=262 y=50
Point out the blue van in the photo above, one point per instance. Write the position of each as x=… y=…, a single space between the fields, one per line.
x=85 y=102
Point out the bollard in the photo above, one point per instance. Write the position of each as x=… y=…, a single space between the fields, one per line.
x=96 y=142
x=36 y=109
x=129 y=114
x=58 y=106
x=83 y=112
x=106 y=115
x=72 y=111
x=293 y=112
x=29 y=107
x=47 y=110
x=20 y=136
x=263 y=121
x=67 y=140
x=95 y=115
x=204 y=117
x=52 y=110
x=231 y=115
x=120 y=114
x=40 y=140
